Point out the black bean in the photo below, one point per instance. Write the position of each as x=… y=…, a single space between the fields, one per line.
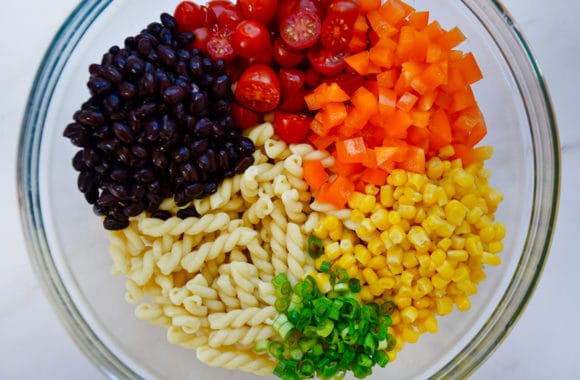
x=159 y=160
x=181 y=154
x=154 y=200
x=145 y=110
x=189 y=172
x=139 y=151
x=185 y=39
x=77 y=161
x=96 y=69
x=167 y=55
x=124 y=155
x=127 y=90
x=168 y=128
x=91 y=157
x=118 y=190
x=166 y=37
x=112 y=102
x=85 y=181
x=137 y=192
x=120 y=61
x=181 y=69
x=199 y=146
x=100 y=210
x=99 y=85
x=108 y=145
x=243 y=163
x=181 y=199
x=194 y=190
x=195 y=66
x=174 y=94
x=223 y=160
x=198 y=103
x=206 y=80
x=168 y=21
x=154 y=28
x=144 y=46
x=135 y=66
x=246 y=146
x=149 y=84
x=183 y=55
x=130 y=43
x=120 y=174
x=144 y=175
x=92 y=195
x=207 y=64
x=227 y=123
x=203 y=128
x=107 y=199
x=219 y=66
x=212 y=160
x=154 y=187
x=209 y=188
x=152 y=129
x=134 y=121
x=221 y=86
x=153 y=56
x=161 y=214
x=113 y=73
x=133 y=209
x=101 y=132
x=102 y=168
x=189 y=212
x=222 y=106
x=78 y=134
x=113 y=224
x=123 y=133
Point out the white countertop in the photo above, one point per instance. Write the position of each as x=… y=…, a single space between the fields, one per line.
x=543 y=344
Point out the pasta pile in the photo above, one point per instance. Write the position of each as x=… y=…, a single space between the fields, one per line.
x=207 y=280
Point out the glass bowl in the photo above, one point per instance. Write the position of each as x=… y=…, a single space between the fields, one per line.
x=68 y=247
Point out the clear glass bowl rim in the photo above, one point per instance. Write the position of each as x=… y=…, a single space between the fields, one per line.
x=522 y=285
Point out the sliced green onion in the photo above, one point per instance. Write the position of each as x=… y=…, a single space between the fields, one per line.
x=276 y=349
x=354 y=285
x=306 y=368
x=330 y=369
x=341 y=287
x=388 y=308
x=318 y=349
x=315 y=247
x=281 y=305
x=382 y=344
x=350 y=309
x=261 y=346
x=381 y=358
x=325 y=267
x=391 y=342
x=369 y=344
x=338 y=276
x=364 y=360
x=296 y=353
x=325 y=328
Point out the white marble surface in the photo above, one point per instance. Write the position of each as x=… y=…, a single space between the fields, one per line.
x=543 y=344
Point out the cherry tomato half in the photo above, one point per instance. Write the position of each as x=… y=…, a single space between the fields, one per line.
x=226 y=13
x=258 y=88
x=285 y=7
x=251 y=39
x=326 y=62
x=300 y=29
x=338 y=25
x=260 y=10
x=243 y=117
x=201 y=36
x=292 y=90
x=190 y=16
x=285 y=55
x=219 y=44
x=291 y=127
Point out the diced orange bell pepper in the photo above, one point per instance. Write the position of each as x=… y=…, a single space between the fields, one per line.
x=314 y=173
x=359 y=62
x=351 y=150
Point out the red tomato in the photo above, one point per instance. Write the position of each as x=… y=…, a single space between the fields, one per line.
x=291 y=127
x=285 y=7
x=258 y=88
x=338 y=26
x=201 y=36
x=226 y=13
x=190 y=16
x=300 y=29
x=243 y=117
x=219 y=44
x=326 y=62
x=285 y=55
x=292 y=90
x=251 y=39
x=261 y=10
x=349 y=82
x=312 y=79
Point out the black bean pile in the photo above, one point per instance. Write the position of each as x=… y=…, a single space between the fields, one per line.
x=158 y=124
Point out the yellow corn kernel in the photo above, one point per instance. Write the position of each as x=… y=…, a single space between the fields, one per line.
x=495 y=247
x=371 y=189
x=420 y=215
x=396 y=234
x=410 y=259
x=346 y=246
x=462 y=303
x=377 y=262
x=402 y=301
x=499 y=229
x=386 y=196
x=398 y=177
x=418 y=237
x=410 y=335
x=446 y=270
x=355 y=200
x=380 y=219
x=467 y=287
x=346 y=261
x=357 y=216
x=367 y=203
x=445 y=230
x=370 y=276
x=473 y=245
x=331 y=222
x=484 y=221
x=396 y=316
x=323 y=281
x=320 y=232
x=441 y=195
x=407 y=211
x=423 y=303
x=376 y=289
x=493 y=198
x=457 y=242
x=318 y=262
x=438 y=257
x=336 y=234
x=365 y=294
x=395 y=256
x=392 y=355
x=463 y=179
x=423 y=286
x=412 y=195
x=349 y=235
x=430 y=194
x=407 y=278
x=376 y=246
x=461 y=273
x=453 y=290
x=457 y=255
x=487 y=234
x=463 y=229
x=409 y=314
x=444 y=244
x=353 y=271
x=483 y=153
x=365 y=229
x=362 y=254
x=396 y=269
x=332 y=251
x=394 y=217
x=386 y=283
x=431 y=324
x=444 y=305
x=446 y=151
x=449 y=189
x=439 y=282
x=491 y=259
x=416 y=180
x=455 y=212
x=477 y=276
x=424 y=260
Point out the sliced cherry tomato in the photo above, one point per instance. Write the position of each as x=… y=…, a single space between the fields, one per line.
x=190 y=16
x=312 y=78
x=219 y=44
x=243 y=117
x=301 y=29
x=226 y=13
x=251 y=39
x=291 y=127
x=349 y=81
x=258 y=88
x=292 y=90
x=261 y=10
x=201 y=36
x=285 y=55
x=326 y=62
x=338 y=25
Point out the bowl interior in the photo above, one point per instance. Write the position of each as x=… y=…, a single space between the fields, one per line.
x=79 y=248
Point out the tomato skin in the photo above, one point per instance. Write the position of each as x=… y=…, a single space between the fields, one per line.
x=219 y=44
x=326 y=62
x=300 y=29
x=226 y=13
x=260 y=10
x=338 y=25
x=285 y=56
x=201 y=36
x=258 y=88
x=291 y=127
x=251 y=38
x=190 y=16
x=292 y=90
x=243 y=117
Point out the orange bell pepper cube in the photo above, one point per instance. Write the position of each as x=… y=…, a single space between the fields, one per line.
x=359 y=62
x=337 y=192
x=314 y=173
x=351 y=150
x=414 y=160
